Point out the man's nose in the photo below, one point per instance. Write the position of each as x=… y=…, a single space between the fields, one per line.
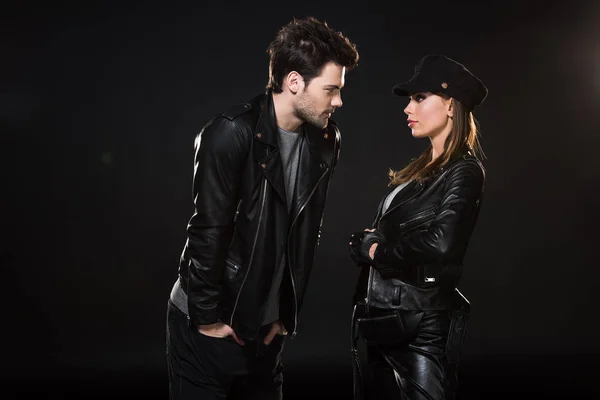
x=337 y=101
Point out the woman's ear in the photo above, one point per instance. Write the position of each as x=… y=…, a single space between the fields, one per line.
x=450 y=107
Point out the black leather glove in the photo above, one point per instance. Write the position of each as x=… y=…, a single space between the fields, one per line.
x=360 y=243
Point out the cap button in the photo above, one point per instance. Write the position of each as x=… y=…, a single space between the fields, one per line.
x=444 y=85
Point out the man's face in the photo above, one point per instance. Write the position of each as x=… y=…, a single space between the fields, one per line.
x=318 y=100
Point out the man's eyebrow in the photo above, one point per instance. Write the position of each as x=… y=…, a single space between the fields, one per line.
x=333 y=86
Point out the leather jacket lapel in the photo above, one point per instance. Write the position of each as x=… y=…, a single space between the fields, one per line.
x=266 y=134
x=311 y=167
x=411 y=190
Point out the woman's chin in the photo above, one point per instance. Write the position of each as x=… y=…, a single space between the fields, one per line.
x=418 y=135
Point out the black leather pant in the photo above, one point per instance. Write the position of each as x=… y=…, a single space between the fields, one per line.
x=406 y=355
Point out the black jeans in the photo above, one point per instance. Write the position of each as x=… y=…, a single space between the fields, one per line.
x=406 y=355
x=204 y=367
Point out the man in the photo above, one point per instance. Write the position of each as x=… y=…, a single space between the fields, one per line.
x=261 y=174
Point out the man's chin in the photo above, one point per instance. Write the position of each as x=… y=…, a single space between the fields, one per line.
x=320 y=124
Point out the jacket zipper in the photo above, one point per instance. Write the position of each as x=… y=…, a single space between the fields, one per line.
x=262 y=206
x=294 y=333
x=422 y=215
x=233 y=265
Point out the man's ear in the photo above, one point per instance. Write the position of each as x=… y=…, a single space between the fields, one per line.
x=295 y=82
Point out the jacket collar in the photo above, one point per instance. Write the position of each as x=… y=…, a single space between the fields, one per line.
x=413 y=188
x=312 y=163
x=266 y=130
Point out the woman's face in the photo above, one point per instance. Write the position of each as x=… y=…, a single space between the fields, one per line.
x=428 y=114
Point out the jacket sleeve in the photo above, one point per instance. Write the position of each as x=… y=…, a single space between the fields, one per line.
x=451 y=229
x=220 y=152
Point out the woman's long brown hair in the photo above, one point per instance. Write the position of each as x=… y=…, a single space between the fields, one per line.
x=464 y=136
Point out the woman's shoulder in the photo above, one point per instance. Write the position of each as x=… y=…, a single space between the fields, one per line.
x=467 y=173
x=465 y=161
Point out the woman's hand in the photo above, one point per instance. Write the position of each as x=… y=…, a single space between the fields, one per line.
x=373 y=247
x=363 y=245
x=372 y=251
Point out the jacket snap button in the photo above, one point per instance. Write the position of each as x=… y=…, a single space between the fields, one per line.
x=326 y=136
x=259 y=135
x=263 y=165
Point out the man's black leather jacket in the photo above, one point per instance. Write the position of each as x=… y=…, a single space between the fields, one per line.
x=241 y=226
x=427 y=229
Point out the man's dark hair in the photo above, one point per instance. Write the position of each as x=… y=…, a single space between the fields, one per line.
x=305 y=46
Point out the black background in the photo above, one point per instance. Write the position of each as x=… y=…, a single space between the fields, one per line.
x=99 y=106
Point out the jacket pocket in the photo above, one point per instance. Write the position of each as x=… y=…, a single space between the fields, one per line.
x=417 y=220
x=382 y=330
x=231 y=269
x=456 y=335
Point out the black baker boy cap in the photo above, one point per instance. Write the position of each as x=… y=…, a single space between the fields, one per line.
x=439 y=74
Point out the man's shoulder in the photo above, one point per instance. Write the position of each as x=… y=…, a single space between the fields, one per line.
x=244 y=111
x=237 y=120
x=237 y=110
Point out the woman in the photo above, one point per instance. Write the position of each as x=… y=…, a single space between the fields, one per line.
x=408 y=310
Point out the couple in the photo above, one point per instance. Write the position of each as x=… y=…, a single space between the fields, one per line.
x=261 y=174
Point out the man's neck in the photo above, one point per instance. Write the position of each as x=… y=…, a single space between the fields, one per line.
x=284 y=112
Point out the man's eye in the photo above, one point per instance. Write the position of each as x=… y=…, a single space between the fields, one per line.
x=419 y=97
